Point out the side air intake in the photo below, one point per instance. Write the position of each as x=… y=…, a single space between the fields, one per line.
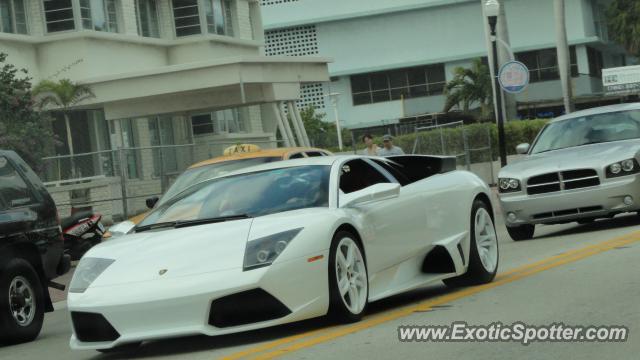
x=438 y=261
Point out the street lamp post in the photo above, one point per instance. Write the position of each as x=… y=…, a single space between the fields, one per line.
x=492 y=10
x=334 y=102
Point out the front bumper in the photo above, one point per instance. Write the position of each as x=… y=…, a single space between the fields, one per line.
x=175 y=307
x=599 y=201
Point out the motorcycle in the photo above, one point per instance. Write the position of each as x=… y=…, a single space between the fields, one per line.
x=81 y=232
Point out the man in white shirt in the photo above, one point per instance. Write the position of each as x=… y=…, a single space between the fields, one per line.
x=389 y=149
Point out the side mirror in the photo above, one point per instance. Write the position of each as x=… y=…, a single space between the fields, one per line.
x=523 y=149
x=373 y=193
x=121 y=229
x=152 y=201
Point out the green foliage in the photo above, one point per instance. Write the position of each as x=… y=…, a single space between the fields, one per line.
x=478 y=135
x=321 y=133
x=469 y=87
x=62 y=94
x=23 y=129
x=623 y=17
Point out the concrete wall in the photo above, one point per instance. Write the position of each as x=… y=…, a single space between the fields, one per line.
x=380 y=35
x=90 y=54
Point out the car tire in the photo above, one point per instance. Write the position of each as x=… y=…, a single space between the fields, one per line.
x=19 y=287
x=521 y=232
x=483 y=252
x=122 y=349
x=347 y=268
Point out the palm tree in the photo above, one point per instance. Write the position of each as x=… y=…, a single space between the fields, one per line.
x=468 y=87
x=623 y=17
x=63 y=95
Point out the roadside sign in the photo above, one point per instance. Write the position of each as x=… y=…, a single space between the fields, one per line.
x=514 y=77
x=621 y=80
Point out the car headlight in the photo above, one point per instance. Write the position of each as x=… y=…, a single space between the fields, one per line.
x=262 y=252
x=622 y=168
x=509 y=185
x=87 y=272
x=628 y=165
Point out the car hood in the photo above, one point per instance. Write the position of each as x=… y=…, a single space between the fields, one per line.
x=175 y=252
x=594 y=156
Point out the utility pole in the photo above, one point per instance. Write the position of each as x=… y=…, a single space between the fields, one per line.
x=334 y=101
x=491 y=10
x=564 y=63
x=504 y=56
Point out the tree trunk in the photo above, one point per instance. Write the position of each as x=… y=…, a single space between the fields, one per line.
x=70 y=144
x=69 y=138
x=562 y=45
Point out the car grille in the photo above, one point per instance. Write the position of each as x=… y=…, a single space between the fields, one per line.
x=568 y=212
x=90 y=327
x=565 y=180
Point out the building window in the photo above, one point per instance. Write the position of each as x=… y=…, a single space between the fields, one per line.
x=543 y=64
x=59 y=15
x=216 y=17
x=13 y=18
x=216 y=122
x=99 y=15
x=596 y=62
x=600 y=20
x=186 y=17
x=147 y=14
x=398 y=84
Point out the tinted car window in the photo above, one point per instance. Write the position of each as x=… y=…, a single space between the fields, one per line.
x=296 y=156
x=395 y=170
x=357 y=175
x=3 y=204
x=13 y=189
x=314 y=154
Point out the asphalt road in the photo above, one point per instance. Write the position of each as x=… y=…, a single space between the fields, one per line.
x=578 y=275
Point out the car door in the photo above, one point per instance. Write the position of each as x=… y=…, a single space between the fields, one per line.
x=24 y=216
x=393 y=229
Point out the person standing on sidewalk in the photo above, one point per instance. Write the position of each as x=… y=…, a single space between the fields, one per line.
x=389 y=149
x=372 y=149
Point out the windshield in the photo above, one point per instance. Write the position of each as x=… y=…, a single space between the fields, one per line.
x=249 y=195
x=202 y=173
x=594 y=129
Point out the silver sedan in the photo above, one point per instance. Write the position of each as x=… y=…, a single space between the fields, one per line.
x=581 y=167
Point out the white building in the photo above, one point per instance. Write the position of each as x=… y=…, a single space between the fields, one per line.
x=393 y=58
x=164 y=72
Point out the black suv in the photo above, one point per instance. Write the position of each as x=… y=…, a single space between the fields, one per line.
x=31 y=250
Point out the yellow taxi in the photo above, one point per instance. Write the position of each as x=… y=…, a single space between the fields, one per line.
x=235 y=158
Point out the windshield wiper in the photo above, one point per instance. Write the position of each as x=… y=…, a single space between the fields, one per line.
x=186 y=223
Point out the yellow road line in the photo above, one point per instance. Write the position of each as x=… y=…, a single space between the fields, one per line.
x=274 y=344
x=324 y=335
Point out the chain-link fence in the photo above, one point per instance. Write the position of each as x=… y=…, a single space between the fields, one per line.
x=117 y=183
x=471 y=146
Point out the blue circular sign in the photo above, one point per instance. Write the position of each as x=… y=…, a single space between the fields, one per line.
x=514 y=77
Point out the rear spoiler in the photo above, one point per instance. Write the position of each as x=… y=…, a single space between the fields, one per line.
x=434 y=164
